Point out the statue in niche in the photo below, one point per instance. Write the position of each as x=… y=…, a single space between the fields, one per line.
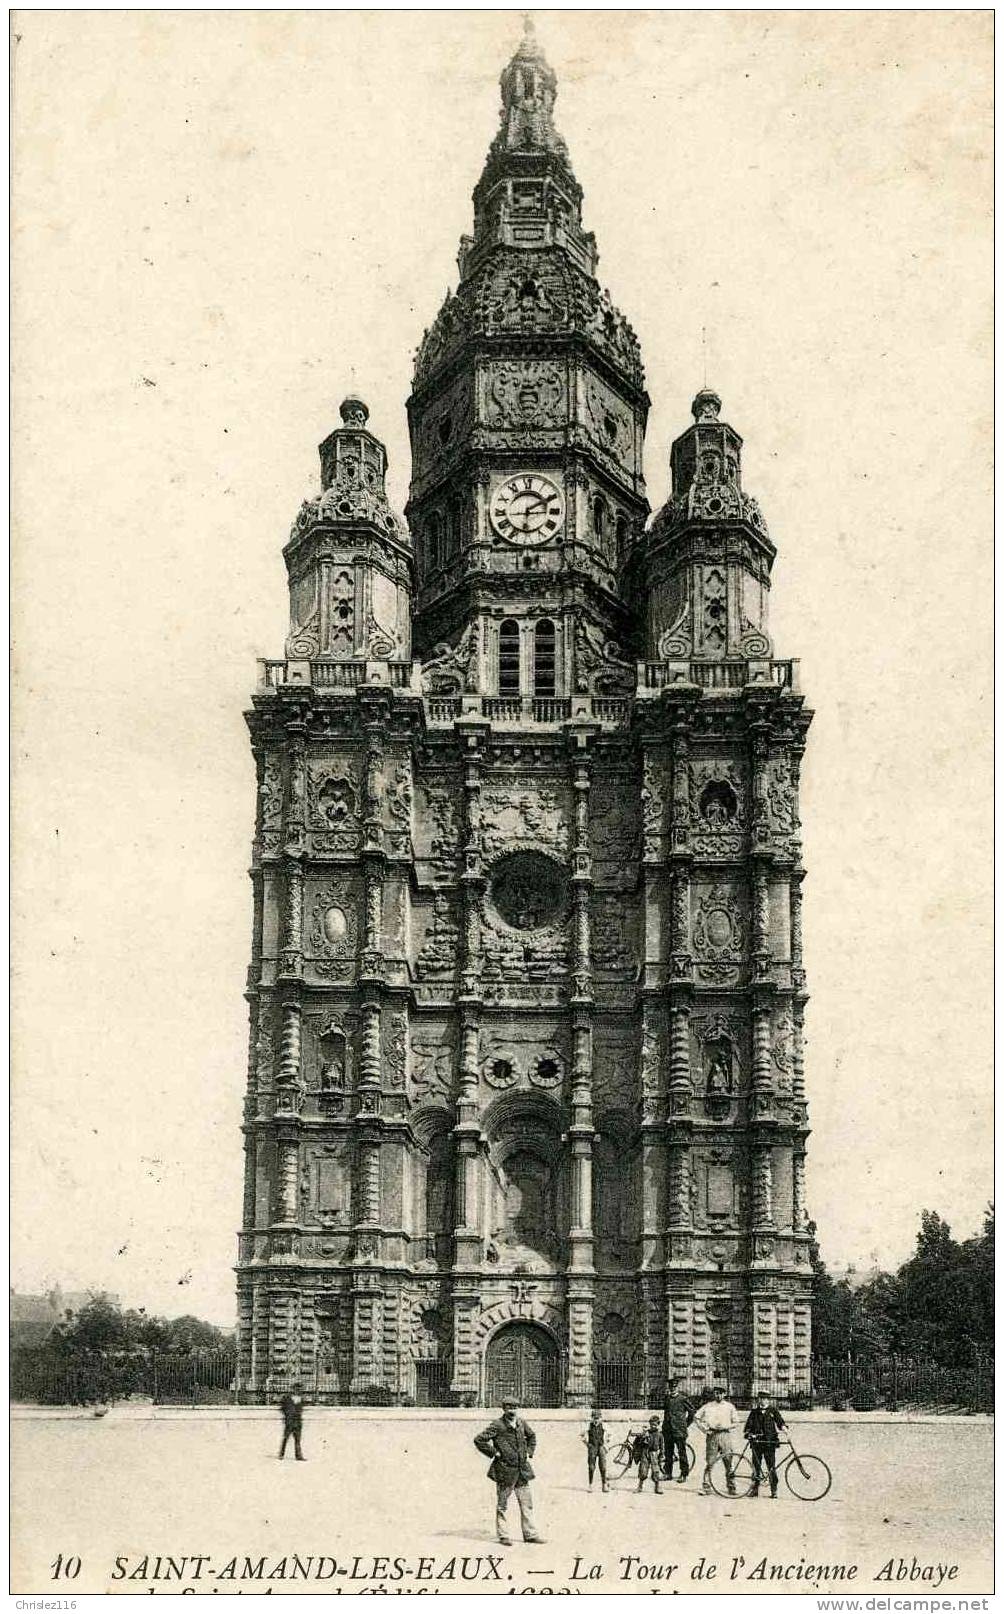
x=333 y=1047
x=719 y=1078
x=336 y=801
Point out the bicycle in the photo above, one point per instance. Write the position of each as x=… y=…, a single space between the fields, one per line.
x=622 y=1459
x=806 y=1476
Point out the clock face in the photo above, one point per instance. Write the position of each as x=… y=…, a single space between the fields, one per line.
x=527 y=509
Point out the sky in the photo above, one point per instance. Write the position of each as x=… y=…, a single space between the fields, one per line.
x=224 y=222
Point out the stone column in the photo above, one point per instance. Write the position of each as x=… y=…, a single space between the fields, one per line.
x=680 y=831
x=291 y=947
x=762 y=1076
x=368 y=1182
x=760 y=910
x=763 y=1207
x=369 y=1052
x=799 y=1218
x=795 y=910
x=288 y=1179
x=290 y=1045
x=760 y=825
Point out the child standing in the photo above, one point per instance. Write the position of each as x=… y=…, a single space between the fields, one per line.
x=595 y=1438
x=649 y=1452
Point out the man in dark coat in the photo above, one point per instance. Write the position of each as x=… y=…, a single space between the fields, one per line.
x=677 y=1416
x=291 y=1407
x=762 y=1430
x=510 y=1443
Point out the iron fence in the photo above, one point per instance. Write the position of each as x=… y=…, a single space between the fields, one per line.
x=896 y=1383
x=195 y=1378
x=94 y=1377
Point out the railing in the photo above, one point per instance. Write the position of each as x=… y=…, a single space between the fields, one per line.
x=189 y=1378
x=720 y=674
x=527 y=710
x=894 y=1382
x=331 y=674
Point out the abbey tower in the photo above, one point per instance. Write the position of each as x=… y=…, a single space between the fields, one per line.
x=525 y=1108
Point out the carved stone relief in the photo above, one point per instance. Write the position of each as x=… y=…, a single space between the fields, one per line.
x=523 y=812
x=528 y=394
x=718 y=807
x=333 y=929
x=516 y=1057
x=600 y=666
x=615 y=1069
x=394 y=1038
x=613 y=820
x=270 y=794
x=719 y=932
x=333 y=805
x=614 y=944
x=433 y=1062
x=609 y=422
x=438 y=953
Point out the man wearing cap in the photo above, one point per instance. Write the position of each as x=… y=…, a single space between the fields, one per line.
x=510 y=1443
x=716 y=1420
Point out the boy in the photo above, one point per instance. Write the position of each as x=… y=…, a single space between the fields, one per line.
x=763 y=1427
x=650 y=1453
x=595 y=1438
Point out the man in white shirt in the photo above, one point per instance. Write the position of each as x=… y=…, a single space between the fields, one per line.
x=716 y=1419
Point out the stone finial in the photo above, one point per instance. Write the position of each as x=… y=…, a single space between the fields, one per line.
x=354 y=413
x=707 y=405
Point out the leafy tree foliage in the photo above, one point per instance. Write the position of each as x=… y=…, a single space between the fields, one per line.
x=940 y=1304
x=103 y=1325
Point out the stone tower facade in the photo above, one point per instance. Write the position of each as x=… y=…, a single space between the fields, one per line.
x=525 y=1107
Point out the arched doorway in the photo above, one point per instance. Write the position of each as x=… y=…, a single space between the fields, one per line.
x=523 y=1363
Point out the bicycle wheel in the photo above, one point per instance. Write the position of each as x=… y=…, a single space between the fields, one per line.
x=807 y=1477
x=620 y=1462
x=691 y=1457
x=742 y=1477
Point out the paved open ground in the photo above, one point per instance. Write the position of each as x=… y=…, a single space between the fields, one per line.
x=133 y=1487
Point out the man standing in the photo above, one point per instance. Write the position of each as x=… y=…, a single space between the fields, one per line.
x=510 y=1443
x=677 y=1416
x=763 y=1428
x=716 y=1420
x=595 y=1438
x=291 y=1407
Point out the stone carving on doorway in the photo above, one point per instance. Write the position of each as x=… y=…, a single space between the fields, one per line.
x=517 y=1058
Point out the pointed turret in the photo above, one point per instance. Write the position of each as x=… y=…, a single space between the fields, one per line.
x=703 y=569
x=528 y=195
x=348 y=556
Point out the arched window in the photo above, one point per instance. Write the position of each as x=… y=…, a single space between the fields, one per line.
x=434 y=544
x=509 y=657
x=600 y=517
x=544 y=663
x=623 y=536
